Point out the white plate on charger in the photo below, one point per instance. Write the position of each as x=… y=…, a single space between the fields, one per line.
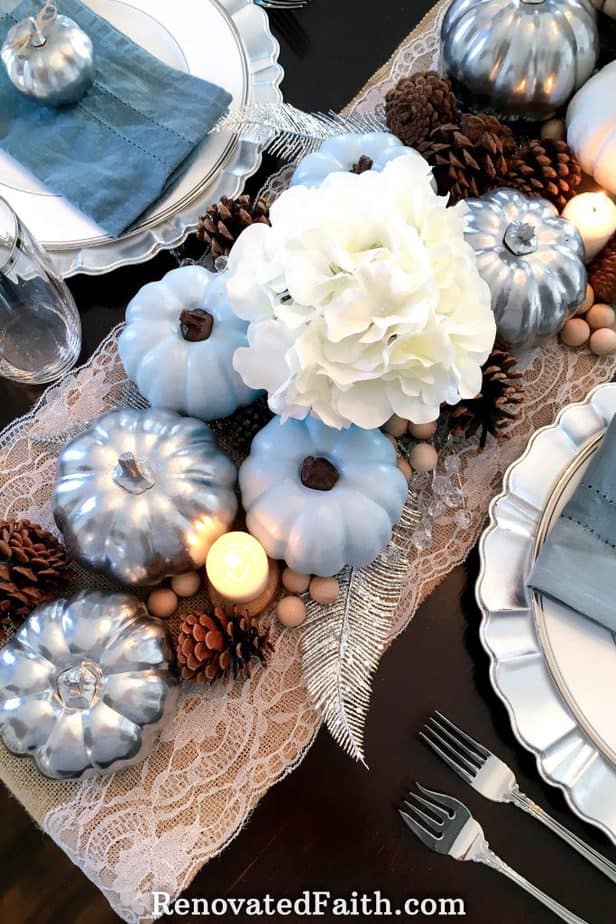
x=225 y=41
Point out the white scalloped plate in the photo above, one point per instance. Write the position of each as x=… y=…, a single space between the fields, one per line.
x=554 y=670
x=225 y=41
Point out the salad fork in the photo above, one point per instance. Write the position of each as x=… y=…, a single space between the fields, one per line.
x=446 y=826
x=491 y=777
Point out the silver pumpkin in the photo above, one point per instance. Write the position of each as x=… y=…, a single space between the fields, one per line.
x=142 y=495
x=520 y=58
x=86 y=684
x=532 y=261
x=49 y=58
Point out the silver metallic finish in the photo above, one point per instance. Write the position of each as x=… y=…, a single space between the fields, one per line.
x=449 y=828
x=139 y=522
x=86 y=684
x=520 y=58
x=489 y=775
x=532 y=261
x=575 y=749
x=56 y=65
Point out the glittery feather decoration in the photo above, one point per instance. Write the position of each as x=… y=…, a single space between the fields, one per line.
x=343 y=643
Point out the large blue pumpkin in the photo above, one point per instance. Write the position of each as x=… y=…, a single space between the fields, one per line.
x=320 y=498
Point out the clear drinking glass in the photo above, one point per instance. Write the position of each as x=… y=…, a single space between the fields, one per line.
x=40 y=329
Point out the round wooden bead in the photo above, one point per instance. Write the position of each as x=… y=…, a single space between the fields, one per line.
x=575 y=332
x=162 y=603
x=603 y=342
x=295 y=582
x=396 y=426
x=588 y=302
x=186 y=585
x=324 y=589
x=405 y=468
x=423 y=431
x=553 y=130
x=423 y=457
x=601 y=316
x=291 y=611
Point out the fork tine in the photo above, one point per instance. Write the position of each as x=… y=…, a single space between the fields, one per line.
x=457 y=746
x=441 y=814
x=441 y=799
x=483 y=752
x=456 y=767
x=418 y=830
x=429 y=823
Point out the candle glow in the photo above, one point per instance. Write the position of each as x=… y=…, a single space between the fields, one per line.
x=237 y=567
x=594 y=215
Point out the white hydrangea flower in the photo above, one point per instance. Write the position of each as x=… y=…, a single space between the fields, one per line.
x=364 y=300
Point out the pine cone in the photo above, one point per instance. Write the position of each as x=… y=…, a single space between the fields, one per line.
x=546 y=168
x=33 y=569
x=419 y=104
x=471 y=158
x=219 y=645
x=223 y=223
x=235 y=433
x=496 y=405
x=602 y=274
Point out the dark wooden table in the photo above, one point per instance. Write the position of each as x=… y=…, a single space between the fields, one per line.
x=331 y=825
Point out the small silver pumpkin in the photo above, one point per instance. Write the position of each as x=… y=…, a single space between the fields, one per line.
x=142 y=495
x=49 y=58
x=520 y=58
x=532 y=261
x=86 y=684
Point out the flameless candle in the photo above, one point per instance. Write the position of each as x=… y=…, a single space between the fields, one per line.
x=237 y=567
x=594 y=215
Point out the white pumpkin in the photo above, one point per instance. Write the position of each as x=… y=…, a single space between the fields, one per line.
x=179 y=341
x=591 y=126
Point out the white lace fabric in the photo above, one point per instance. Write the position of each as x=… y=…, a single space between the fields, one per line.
x=154 y=826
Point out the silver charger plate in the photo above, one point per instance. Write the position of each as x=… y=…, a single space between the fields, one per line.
x=554 y=670
x=225 y=41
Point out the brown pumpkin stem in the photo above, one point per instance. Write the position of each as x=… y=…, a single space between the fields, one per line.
x=318 y=473
x=196 y=324
x=364 y=163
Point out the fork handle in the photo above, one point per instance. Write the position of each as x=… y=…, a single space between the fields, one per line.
x=484 y=855
x=593 y=856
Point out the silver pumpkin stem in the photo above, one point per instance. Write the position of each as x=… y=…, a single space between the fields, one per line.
x=134 y=475
x=38 y=38
x=520 y=238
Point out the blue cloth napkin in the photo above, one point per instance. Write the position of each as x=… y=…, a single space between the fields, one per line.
x=577 y=564
x=113 y=153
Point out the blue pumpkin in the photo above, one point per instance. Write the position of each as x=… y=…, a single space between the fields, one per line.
x=179 y=341
x=343 y=151
x=321 y=498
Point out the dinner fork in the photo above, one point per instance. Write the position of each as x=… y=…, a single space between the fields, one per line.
x=491 y=777
x=449 y=828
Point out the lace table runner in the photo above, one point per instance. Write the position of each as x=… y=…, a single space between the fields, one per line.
x=154 y=826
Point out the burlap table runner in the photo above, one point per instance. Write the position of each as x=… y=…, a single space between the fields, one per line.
x=156 y=825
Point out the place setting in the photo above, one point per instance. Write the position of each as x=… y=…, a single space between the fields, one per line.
x=398 y=349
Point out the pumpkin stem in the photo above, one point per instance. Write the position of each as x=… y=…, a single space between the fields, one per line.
x=133 y=475
x=318 y=473
x=364 y=163
x=520 y=238
x=196 y=324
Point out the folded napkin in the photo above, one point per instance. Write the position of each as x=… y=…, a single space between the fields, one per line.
x=577 y=564
x=112 y=153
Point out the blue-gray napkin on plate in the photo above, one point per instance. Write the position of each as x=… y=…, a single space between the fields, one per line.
x=112 y=153
x=577 y=564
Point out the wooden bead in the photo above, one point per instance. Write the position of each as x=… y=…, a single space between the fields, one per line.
x=575 y=332
x=162 y=603
x=588 y=302
x=423 y=457
x=423 y=431
x=600 y=316
x=405 y=468
x=295 y=582
x=291 y=611
x=603 y=342
x=324 y=590
x=186 y=585
x=553 y=130
x=396 y=426
x=253 y=607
